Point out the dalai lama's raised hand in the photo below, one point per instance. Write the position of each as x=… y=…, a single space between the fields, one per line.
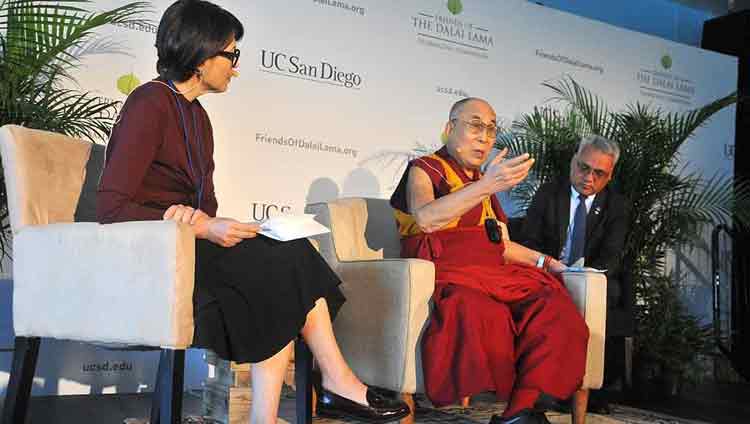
x=225 y=232
x=502 y=174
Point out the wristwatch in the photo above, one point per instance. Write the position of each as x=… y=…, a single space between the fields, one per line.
x=540 y=261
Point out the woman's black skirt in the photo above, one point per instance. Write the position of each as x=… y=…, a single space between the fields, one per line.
x=252 y=299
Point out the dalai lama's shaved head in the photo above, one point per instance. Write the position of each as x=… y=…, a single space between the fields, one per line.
x=461 y=104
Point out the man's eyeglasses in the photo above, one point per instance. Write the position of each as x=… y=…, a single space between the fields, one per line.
x=233 y=56
x=584 y=169
x=477 y=127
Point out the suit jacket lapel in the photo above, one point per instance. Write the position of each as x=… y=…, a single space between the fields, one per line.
x=563 y=215
x=596 y=213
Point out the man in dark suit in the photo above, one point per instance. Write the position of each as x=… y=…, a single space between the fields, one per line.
x=581 y=217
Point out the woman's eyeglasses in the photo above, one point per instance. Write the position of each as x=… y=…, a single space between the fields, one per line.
x=233 y=56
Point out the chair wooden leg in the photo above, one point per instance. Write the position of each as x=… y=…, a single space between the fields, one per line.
x=303 y=381
x=409 y=399
x=466 y=402
x=166 y=405
x=628 y=362
x=580 y=404
x=156 y=395
x=21 y=379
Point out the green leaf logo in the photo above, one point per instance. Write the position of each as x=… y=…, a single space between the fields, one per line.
x=666 y=61
x=127 y=83
x=455 y=6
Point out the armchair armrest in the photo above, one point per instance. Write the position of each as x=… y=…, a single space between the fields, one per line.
x=589 y=293
x=130 y=282
x=388 y=304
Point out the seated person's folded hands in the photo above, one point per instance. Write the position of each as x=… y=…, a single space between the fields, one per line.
x=225 y=232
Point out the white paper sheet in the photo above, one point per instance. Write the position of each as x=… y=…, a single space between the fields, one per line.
x=578 y=266
x=291 y=227
x=584 y=269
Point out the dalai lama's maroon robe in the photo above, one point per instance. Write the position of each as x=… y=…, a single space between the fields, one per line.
x=512 y=329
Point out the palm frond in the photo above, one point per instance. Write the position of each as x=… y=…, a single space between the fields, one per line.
x=41 y=41
x=680 y=126
x=548 y=135
x=41 y=34
x=591 y=108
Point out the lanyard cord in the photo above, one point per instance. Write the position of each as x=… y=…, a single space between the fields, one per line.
x=197 y=203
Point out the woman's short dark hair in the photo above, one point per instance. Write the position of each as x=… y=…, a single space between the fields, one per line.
x=191 y=31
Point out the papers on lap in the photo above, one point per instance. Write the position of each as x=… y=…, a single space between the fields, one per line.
x=291 y=227
x=584 y=269
x=578 y=267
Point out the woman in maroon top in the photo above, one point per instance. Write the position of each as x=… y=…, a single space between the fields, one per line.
x=253 y=295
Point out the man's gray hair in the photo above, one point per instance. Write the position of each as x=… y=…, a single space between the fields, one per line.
x=604 y=145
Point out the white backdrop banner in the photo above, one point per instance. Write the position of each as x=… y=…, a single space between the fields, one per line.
x=334 y=96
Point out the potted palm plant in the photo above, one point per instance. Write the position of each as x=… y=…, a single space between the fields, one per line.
x=669 y=205
x=673 y=339
x=41 y=41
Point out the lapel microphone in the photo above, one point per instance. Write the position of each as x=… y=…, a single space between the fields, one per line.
x=493 y=230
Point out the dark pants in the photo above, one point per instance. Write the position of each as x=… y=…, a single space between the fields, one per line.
x=614 y=360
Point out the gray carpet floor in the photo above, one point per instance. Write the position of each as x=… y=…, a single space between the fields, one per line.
x=132 y=409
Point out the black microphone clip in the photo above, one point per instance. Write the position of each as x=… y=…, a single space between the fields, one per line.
x=493 y=230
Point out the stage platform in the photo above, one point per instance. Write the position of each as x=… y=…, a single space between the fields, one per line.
x=132 y=408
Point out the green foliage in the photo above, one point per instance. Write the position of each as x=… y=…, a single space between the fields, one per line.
x=41 y=41
x=670 y=206
x=673 y=336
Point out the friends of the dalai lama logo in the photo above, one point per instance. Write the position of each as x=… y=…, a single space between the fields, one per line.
x=666 y=61
x=455 y=6
x=447 y=28
x=127 y=83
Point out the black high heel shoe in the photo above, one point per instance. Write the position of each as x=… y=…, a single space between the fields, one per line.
x=379 y=409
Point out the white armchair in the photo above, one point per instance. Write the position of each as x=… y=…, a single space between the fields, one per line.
x=379 y=328
x=70 y=278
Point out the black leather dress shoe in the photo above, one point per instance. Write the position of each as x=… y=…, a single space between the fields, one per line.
x=599 y=405
x=526 y=416
x=562 y=406
x=546 y=402
x=379 y=409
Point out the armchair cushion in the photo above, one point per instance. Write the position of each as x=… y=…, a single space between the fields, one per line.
x=129 y=283
x=44 y=175
x=362 y=229
x=379 y=327
x=589 y=293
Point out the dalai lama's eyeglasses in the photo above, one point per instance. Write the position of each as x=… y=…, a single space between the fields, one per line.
x=233 y=56
x=477 y=127
x=493 y=230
